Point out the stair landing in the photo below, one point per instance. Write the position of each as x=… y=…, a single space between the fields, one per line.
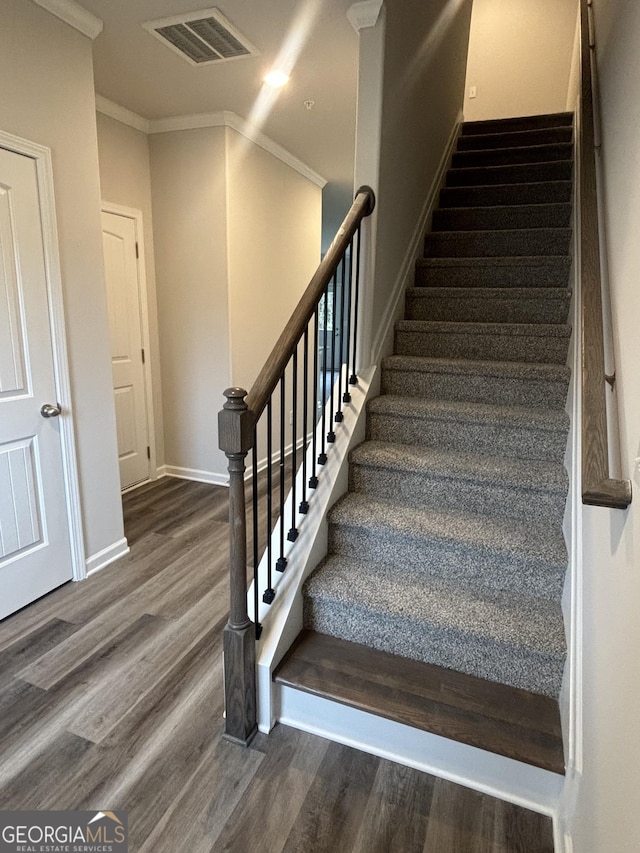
x=505 y=720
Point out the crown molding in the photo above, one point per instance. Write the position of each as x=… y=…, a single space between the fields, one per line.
x=74 y=15
x=258 y=138
x=121 y=114
x=226 y=118
x=364 y=14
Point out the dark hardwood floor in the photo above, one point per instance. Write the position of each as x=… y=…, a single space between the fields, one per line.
x=111 y=697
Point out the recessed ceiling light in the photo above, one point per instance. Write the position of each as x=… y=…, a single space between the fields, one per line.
x=276 y=78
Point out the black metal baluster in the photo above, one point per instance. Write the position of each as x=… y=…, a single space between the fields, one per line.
x=269 y=492
x=281 y=563
x=331 y=436
x=304 y=506
x=292 y=535
x=322 y=456
x=346 y=397
x=313 y=480
x=254 y=506
x=341 y=327
x=353 y=379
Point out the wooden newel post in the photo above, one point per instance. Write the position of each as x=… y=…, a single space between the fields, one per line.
x=235 y=429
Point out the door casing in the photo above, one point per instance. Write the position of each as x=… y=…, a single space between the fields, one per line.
x=41 y=155
x=136 y=215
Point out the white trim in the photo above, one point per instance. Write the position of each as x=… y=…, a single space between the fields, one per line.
x=107 y=555
x=226 y=118
x=194 y=474
x=74 y=15
x=136 y=216
x=504 y=778
x=197 y=121
x=121 y=114
x=405 y=276
x=44 y=175
x=364 y=14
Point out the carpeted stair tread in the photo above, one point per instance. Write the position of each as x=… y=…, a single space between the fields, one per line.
x=469 y=427
x=544 y=153
x=489 y=305
x=533 y=342
x=531 y=385
x=426 y=477
x=498 y=243
x=507 y=195
x=508 y=125
x=515 y=138
x=508 y=217
x=532 y=475
x=500 y=636
x=517 y=271
x=518 y=173
x=388 y=529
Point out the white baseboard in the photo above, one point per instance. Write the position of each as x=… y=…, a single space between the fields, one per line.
x=405 y=276
x=193 y=474
x=512 y=781
x=108 y=555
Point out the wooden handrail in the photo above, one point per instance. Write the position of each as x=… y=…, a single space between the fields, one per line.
x=270 y=374
x=598 y=488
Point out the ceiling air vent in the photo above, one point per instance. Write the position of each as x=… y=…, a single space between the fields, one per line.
x=201 y=37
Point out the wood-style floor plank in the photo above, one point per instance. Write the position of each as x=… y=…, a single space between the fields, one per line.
x=111 y=697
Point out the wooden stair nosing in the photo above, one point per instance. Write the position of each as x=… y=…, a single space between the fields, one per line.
x=500 y=719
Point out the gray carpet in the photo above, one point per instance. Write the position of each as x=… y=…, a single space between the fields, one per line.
x=448 y=547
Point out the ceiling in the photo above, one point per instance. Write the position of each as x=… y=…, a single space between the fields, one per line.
x=136 y=71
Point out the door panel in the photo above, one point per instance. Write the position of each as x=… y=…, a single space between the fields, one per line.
x=35 y=549
x=121 y=268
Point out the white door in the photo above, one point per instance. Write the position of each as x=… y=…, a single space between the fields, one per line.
x=127 y=357
x=35 y=547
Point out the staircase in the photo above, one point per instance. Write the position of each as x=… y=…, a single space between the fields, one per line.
x=447 y=552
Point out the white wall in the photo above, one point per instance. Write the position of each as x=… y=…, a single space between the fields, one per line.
x=274 y=228
x=425 y=50
x=237 y=236
x=189 y=218
x=607 y=817
x=125 y=179
x=519 y=57
x=47 y=97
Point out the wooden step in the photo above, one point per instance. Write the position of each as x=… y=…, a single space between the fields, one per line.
x=507 y=721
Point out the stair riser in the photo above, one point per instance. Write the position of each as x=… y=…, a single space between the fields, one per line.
x=496 y=218
x=517 y=139
x=531 y=394
x=474 y=655
x=488 y=310
x=498 y=244
x=467 y=274
x=448 y=493
x=554 y=192
x=482 y=347
x=472 y=567
x=509 y=125
x=500 y=438
x=520 y=174
x=507 y=156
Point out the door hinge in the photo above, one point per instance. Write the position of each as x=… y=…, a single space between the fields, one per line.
x=137 y=250
x=148 y=452
x=142 y=351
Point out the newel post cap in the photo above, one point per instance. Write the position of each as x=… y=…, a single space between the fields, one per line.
x=235 y=423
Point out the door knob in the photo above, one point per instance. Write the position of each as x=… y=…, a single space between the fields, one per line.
x=50 y=411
